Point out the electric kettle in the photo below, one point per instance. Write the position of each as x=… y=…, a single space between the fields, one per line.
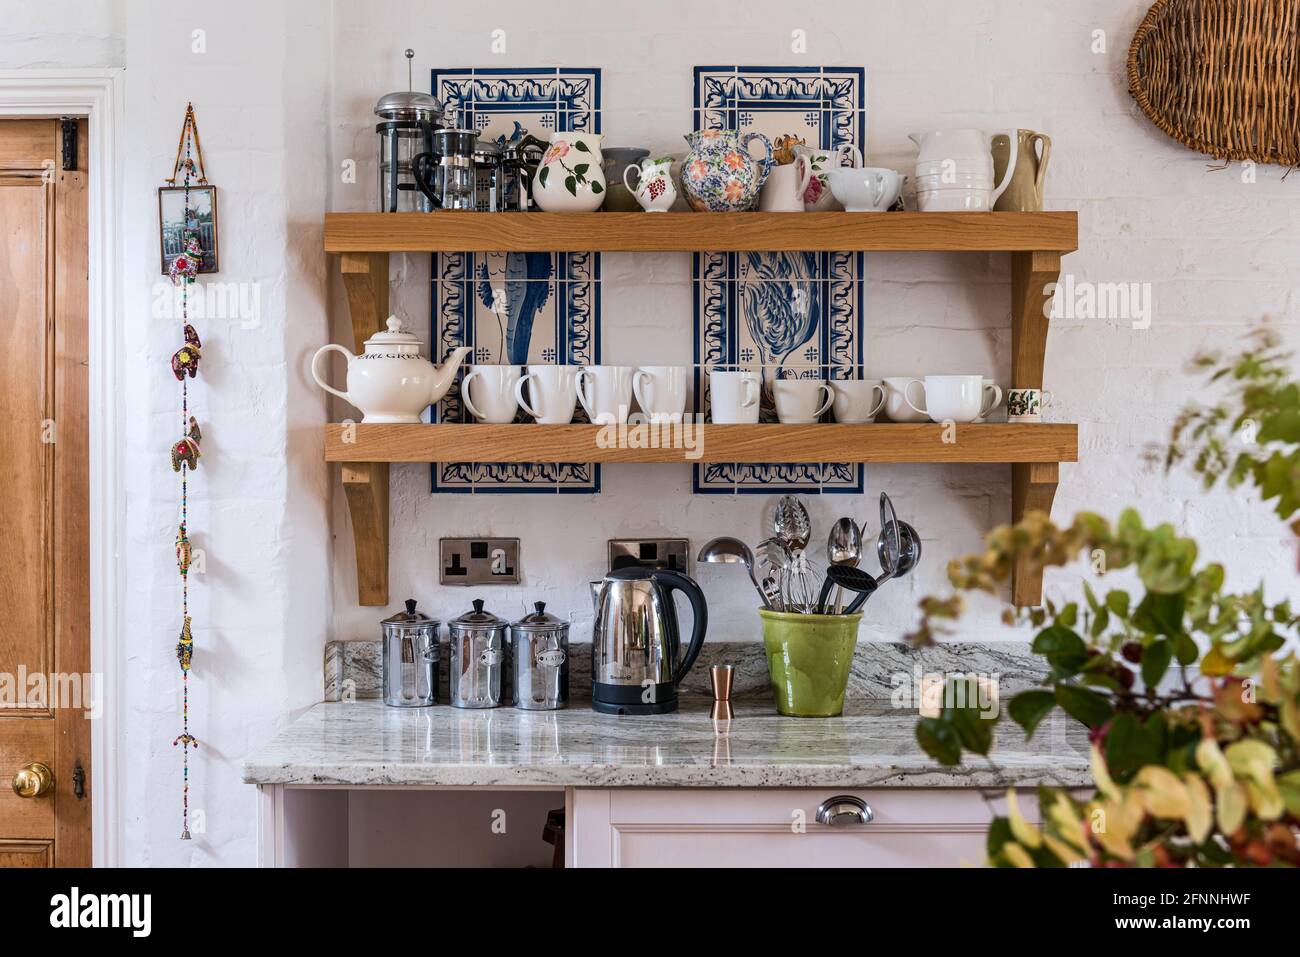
x=636 y=657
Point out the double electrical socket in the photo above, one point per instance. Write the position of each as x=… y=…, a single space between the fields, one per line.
x=478 y=561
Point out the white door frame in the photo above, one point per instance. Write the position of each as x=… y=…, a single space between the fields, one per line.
x=96 y=95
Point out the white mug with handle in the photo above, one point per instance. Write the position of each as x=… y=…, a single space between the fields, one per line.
x=661 y=392
x=733 y=397
x=953 y=398
x=489 y=393
x=797 y=400
x=605 y=393
x=553 y=393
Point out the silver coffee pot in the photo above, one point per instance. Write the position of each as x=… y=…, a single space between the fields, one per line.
x=636 y=656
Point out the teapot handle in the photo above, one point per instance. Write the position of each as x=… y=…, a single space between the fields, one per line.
x=315 y=368
x=676 y=581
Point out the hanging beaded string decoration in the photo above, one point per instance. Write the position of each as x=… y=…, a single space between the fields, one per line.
x=185 y=452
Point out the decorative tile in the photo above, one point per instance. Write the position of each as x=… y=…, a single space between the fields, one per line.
x=517 y=307
x=801 y=312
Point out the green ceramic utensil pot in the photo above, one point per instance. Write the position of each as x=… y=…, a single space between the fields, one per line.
x=808 y=659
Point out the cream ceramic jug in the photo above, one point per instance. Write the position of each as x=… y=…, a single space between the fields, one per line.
x=390 y=381
x=958 y=164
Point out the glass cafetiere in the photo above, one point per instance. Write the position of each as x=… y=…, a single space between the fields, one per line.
x=446 y=176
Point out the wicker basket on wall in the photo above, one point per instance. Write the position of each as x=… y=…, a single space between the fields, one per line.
x=1222 y=76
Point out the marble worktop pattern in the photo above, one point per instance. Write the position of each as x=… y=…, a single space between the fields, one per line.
x=364 y=743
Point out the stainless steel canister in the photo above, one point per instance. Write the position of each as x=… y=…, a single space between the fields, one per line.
x=539 y=650
x=478 y=656
x=410 y=659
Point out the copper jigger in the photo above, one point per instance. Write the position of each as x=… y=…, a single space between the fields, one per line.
x=720 y=678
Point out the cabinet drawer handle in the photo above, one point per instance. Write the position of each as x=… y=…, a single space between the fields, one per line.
x=844 y=810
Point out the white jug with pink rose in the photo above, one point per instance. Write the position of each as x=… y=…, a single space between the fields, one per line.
x=817 y=197
x=570 y=177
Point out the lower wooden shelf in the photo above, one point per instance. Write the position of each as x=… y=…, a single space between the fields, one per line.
x=1046 y=443
x=1033 y=452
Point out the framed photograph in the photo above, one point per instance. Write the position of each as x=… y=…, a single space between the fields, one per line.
x=172 y=226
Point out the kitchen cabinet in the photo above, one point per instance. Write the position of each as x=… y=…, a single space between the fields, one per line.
x=776 y=828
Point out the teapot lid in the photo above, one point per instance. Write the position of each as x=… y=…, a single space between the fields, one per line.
x=394 y=336
x=540 y=620
x=478 y=616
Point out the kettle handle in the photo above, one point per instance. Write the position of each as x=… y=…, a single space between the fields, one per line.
x=676 y=581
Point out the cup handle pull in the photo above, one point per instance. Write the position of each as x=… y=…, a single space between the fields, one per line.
x=907 y=395
x=519 y=395
x=579 y=383
x=1013 y=140
x=643 y=396
x=464 y=394
x=830 y=400
x=879 y=405
x=751 y=394
x=1042 y=161
x=807 y=176
x=852 y=152
x=1044 y=399
x=316 y=373
x=997 y=400
x=628 y=169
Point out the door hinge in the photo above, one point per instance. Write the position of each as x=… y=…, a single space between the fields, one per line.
x=79 y=781
x=69 y=143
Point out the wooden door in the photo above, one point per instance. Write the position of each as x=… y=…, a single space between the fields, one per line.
x=46 y=692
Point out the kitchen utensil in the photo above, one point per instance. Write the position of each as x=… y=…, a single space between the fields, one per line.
x=953 y=398
x=720 y=678
x=809 y=658
x=1024 y=194
x=733 y=396
x=774 y=556
x=870 y=190
x=790 y=522
x=843 y=547
x=408 y=119
x=817 y=198
x=850 y=579
x=1026 y=405
x=785 y=186
x=520 y=156
x=605 y=393
x=732 y=551
x=636 y=658
x=801 y=401
x=570 y=178
x=855 y=400
x=410 y=659
x=478 y=653
x=446 y=175
x=719 y=175
x=888 y=545
x=661 y=392
x=539 y=655
x=553 y=391
x=487 y=176
x=618 y=160
x=489 y=392
x=654 y=191
x=391 y=381
x=896 y=406
x=802 y=583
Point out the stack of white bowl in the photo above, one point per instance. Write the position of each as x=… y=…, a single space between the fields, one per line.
x=955 y=184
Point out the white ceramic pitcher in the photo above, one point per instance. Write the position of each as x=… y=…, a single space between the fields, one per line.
x=955 y=169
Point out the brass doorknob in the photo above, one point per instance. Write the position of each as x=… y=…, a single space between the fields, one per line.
x=33 y=780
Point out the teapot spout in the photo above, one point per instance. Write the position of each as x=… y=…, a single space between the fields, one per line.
x=445 y=373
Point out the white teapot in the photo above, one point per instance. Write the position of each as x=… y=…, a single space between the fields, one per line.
x=391 y=381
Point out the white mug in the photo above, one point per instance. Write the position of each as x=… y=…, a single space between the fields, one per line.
x=855 y=400
x=733 y=397
x=785 y=186
x=955 y=398
x=489 y=393
x=897 y=408
x=661 y=392
x=553 y=393
x=605 y=393
x=797 y=400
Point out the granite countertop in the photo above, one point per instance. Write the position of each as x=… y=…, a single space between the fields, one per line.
x=363 y=742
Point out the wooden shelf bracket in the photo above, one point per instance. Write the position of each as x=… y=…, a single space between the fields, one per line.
x=1033 y=486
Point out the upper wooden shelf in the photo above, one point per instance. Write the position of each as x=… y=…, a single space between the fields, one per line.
x=822 y=442
x=714 y=232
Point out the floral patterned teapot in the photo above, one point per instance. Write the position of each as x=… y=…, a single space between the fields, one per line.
x=719 y=175
x=391 y=381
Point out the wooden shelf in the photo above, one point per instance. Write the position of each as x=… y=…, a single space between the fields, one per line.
x=686 y=232
x=1036 y=443
x=1035 y=242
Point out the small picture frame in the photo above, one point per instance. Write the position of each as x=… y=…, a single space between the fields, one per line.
x=172 y=226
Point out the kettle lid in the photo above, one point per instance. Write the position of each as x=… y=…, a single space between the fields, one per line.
x=540 y=620
x=395 y=336
x=479 y=616
x=408 y=617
